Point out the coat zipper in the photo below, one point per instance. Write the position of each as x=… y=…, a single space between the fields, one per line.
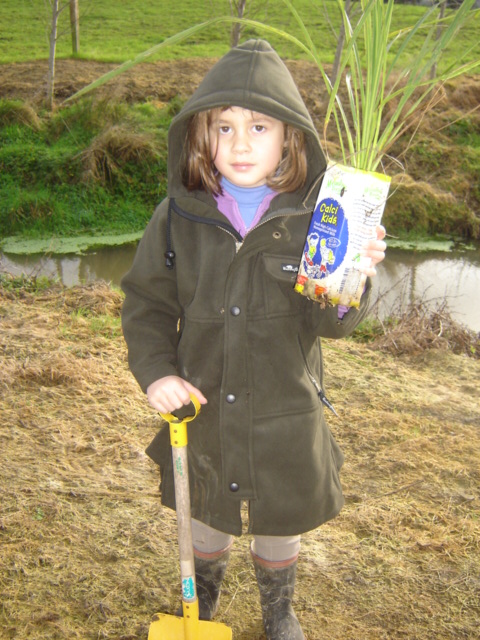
x=228 y=228
x=239 y=243
x=320 y=392
x=281 y=215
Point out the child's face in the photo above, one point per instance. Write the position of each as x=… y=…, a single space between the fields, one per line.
x=246 y=146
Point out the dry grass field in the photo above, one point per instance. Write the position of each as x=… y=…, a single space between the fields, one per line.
x=87 y=552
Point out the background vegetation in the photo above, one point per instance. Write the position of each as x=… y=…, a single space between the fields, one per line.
x=99 y=166
x=113 y=31
x=92 y=167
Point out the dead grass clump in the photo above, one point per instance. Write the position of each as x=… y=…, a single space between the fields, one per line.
x=428 y=208
x=98 y=298
x=420 y=328
x=18 y=112
x=422 y=189
x=466 y=94
x=115 y=147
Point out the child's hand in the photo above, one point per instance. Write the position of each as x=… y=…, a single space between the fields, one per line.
x=375 y=250
x=172 y=392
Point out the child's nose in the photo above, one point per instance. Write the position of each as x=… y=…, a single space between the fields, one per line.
x=240 y=141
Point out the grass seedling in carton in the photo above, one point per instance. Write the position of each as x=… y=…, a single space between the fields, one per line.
x=353 y=194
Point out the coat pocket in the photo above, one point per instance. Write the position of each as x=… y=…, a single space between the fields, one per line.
x=281 y=268
x=280 y=275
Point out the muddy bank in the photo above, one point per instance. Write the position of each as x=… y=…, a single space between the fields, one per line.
x=433 y=178
x=87 y=551
x=163 y=80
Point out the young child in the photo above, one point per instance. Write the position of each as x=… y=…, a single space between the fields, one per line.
x=210 y=309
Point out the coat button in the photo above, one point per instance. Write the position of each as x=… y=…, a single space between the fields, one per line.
x=235 y=311
x=234 y=487
x=231 y=398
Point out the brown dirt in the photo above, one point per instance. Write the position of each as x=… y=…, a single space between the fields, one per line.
x=163 y=80
x=87 y=552
x=158 y=81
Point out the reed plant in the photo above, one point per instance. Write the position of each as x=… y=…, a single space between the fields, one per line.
x=388 y=78
x=385 y=73
x=388 y=75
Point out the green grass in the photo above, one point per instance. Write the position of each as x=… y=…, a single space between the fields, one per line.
x=53 y=183
x=113 y=31
x=98 y=325
x=109 y=30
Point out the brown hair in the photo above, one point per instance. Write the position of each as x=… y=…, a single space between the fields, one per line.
x=199 y=170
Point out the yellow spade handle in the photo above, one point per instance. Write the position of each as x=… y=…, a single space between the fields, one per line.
x=178 y=439
x=178 y=426
x=167 y=627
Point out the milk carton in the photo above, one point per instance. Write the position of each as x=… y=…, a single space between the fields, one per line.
x=350 y=205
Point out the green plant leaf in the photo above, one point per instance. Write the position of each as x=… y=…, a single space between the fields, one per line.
x=175 y=39
x=372 y=81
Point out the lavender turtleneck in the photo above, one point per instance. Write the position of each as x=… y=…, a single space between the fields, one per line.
x=243 y=206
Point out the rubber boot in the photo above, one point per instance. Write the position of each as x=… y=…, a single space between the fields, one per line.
x=276 y=584
x=209 y=573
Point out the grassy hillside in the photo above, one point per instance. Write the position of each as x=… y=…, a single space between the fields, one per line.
x=113 y=31
x=93 y=167
x=99 y=166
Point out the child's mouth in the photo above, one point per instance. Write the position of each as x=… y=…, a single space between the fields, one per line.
x=242 y=166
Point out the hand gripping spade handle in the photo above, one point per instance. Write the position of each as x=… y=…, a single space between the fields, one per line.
x=168 y=627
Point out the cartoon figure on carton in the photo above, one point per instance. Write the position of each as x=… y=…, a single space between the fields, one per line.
x=327 y=256
x=312 y=269
x=312 y=242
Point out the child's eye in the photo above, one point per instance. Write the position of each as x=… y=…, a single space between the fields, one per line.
x=259 y=128
x=225 y=129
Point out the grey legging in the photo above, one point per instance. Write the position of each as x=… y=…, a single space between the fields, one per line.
x=270 y=548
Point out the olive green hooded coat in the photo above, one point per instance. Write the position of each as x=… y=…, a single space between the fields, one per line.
x=227 y=318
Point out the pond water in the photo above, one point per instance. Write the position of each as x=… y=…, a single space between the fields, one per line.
x=403 y=277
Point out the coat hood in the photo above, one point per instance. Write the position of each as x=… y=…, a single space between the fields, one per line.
x=253 y=76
